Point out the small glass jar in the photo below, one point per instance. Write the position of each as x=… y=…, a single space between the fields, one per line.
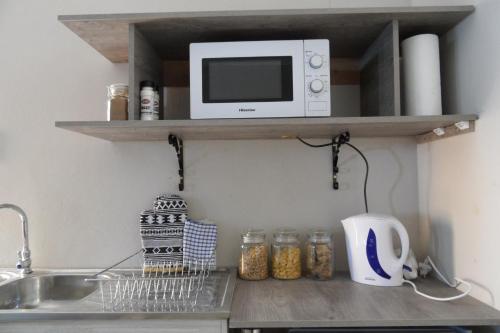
x=117 y=102
x=253 y=263
x=286 y=255
x=319 y=255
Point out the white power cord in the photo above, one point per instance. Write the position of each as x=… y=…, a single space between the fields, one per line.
x=457 y=282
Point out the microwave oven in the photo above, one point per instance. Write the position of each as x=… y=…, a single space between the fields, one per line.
x=260 y=79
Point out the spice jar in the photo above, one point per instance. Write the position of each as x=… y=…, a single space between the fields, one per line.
x=148 y=110
x=117 y=102
x=319 y=255
x=286 y=255
x=254 y=256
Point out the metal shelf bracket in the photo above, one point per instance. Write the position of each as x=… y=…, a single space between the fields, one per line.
x=176 y=142
x=337 y=142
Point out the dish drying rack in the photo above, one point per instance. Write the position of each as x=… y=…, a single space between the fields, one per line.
x=159 y=287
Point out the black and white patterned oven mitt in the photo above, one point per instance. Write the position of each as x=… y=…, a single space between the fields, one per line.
x=162 y=230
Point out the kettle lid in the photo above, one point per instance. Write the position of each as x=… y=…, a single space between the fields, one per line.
x=368 y=217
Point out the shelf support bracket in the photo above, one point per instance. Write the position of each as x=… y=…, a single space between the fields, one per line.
x=176 y=142
x=335 y=160
x=337 y=141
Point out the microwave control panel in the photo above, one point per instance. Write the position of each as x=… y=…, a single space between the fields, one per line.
x=317 y=78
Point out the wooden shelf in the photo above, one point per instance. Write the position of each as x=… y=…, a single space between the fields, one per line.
x=156 y=44
x=343 y=303
x=278 y=128
x=351 y=29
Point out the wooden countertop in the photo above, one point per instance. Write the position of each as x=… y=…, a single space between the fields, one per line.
x=343 y=303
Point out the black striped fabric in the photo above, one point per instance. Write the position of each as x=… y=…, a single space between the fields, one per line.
x=162 y=231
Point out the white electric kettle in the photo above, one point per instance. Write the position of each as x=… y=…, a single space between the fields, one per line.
x=370 y=249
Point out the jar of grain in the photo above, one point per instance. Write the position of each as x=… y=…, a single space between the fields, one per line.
x=254 y=256
x=319 y=255
x=286 y=255
x=117 y=102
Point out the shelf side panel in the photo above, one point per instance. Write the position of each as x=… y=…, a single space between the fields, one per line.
x=380 y=82
x=144 y=64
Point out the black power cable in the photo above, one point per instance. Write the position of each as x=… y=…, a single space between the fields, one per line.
x=315 y=146
x=335 y=141
x=366 y=173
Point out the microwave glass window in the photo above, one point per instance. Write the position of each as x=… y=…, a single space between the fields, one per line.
x=255 y=79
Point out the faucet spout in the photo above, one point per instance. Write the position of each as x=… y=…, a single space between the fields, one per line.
x=24 y=256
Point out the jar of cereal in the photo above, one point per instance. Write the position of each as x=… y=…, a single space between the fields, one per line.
x=286 y=255
x=253 y=263
x=319 y=255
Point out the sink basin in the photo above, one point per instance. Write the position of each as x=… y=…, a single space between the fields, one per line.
x=44 y=291
x=75 y=294
x=6 y=276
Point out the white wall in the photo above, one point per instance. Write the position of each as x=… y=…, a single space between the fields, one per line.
x=458 y=177
x=83 y=195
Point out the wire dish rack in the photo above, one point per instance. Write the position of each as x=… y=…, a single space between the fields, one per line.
x=160 y=287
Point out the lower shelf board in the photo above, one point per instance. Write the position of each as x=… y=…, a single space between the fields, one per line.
x=343 y=303
x=252 y=129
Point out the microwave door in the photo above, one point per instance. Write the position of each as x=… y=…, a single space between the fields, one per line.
x=247 y=80
x=249 y=87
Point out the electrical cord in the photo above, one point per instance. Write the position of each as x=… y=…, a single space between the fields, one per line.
x=315 y=146
x=366 y=173
x=357 y=150
x=442 y=299
x=457 y=283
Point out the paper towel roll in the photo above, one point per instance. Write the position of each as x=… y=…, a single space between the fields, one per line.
x=422 y=76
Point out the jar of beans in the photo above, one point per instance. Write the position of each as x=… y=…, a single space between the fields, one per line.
x=319 y=255
x=253 y=263
x=286 y=263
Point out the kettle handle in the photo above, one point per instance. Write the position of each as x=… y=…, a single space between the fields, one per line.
x=405 y=241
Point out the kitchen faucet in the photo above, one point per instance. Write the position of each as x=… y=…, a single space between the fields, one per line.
x=24 y=256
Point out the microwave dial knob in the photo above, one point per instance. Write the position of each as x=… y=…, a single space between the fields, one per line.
x=316 y=86
x=316 y=61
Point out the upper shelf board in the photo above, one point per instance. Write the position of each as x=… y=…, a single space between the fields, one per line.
x=253 y=129
x=351 y=30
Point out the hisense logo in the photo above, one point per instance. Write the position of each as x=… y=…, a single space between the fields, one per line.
x=246 y=110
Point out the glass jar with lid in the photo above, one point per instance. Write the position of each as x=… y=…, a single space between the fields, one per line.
x=286 y=262
x=319 y=255
x=253 y=263
x=117 y=102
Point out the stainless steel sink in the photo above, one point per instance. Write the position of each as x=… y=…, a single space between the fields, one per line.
x=44 y=291
x=72 y=294
x=6 y=276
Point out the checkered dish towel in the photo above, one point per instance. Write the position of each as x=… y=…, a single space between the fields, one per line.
x=200 y=240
